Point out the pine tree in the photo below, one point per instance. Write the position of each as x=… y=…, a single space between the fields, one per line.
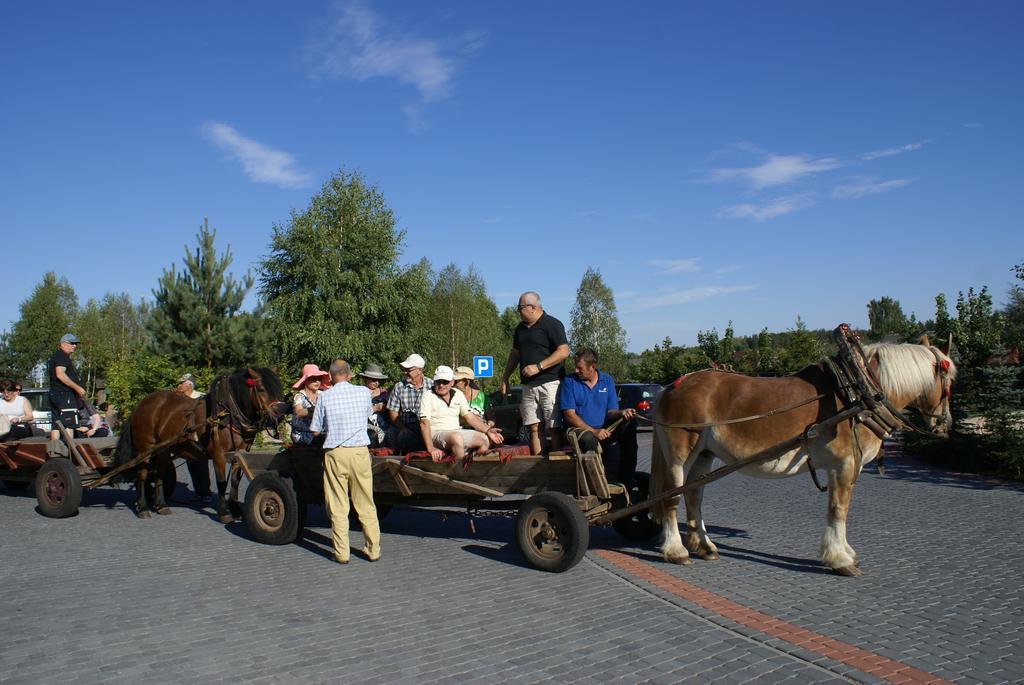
x=594 y=323
x=802 y=348
x=194 y=321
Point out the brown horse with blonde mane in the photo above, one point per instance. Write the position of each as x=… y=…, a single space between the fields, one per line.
x=695 y=424
x=238 y=406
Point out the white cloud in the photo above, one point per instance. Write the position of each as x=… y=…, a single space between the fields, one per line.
x=260 y=163
x=770 y=209
x=357 y=45
x=867 y=186
x=776 y=170
x=676 y=266
x=974 y=125
x=671 y=298
x=891 y=151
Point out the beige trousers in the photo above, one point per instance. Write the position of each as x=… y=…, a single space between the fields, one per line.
x=347 y=473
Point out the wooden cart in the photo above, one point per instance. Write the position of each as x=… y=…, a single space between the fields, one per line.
x=555 y=497
x=60 y=469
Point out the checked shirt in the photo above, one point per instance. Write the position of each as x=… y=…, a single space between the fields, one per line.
x=344 y=410
x=405 y=399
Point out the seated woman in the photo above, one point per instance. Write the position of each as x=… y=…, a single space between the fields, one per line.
x=309 y=387
x=441 y=407
x=378 y=426
x=465 y=382
x=91 y=423
x=17 y=410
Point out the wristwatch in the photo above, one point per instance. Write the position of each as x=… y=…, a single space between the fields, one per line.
x=539 y=367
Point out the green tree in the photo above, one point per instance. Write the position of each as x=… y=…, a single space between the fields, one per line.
x=886 y=317
x=942 y=320
x=802 y=348
x=109 y=330
x=194 y=321
x=464 y=321
x=976 y=329
x=767 y=356
x=1013 y=312
x=709 y=344
x=594 y=323
x=332 y=284
x=44 y=317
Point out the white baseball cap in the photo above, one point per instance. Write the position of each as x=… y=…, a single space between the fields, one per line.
x=443 y=373
x=413 y=360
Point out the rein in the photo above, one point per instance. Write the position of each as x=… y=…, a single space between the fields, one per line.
x=755 y=417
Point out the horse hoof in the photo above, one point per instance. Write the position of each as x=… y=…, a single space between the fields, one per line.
x=678 y=559
x=142 y=514
x=165 y=511
x=709 y=556
x=848 y=571
x=226 y=518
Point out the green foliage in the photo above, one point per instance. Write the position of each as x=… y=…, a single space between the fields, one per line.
x=463 y=320
x=767 y=355
x=594 y=323
x=976 y=330
x=194 y=321
x=886 y=317
x=135 y=375
x=717 y=351
x=942 y=321
x=802 y=347
x=109 y=330
x=1013 y=317
x=332 y=285
x=45 y=316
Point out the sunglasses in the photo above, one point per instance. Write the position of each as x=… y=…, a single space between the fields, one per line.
x=441 y=382
x=521 y=307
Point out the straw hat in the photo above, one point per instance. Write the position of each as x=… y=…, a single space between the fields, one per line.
x=464 y=373
x=373 y=371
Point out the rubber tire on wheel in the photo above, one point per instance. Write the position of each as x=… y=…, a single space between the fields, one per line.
x=641 y=525
x=272 y=509
x=552 y=532
x=16 y=485
x=58 y=488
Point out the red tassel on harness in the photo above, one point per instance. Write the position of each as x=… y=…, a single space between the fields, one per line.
x=250 y=382
x=676 y=382
x=944 y=364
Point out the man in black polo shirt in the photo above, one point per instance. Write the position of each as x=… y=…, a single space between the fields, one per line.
x=65 y=384
x=539 y=347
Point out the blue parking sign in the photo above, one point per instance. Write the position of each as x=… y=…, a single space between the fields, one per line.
x=483 y=367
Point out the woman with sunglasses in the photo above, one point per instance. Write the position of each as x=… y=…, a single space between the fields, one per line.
x=17 y=410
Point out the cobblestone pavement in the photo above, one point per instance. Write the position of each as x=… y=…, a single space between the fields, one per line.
x=105 y=597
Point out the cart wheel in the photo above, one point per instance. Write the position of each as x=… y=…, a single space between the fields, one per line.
x=58 y=488
x=272 y=509
x=16 y=485
x=641 y=525
x=552 y=532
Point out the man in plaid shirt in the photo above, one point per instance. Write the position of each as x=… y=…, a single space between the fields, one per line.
x=404 y=405
x=343 y=411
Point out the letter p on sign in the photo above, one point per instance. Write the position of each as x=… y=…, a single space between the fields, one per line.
x=483 y=367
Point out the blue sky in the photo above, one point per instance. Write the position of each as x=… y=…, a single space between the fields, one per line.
x=717 y=161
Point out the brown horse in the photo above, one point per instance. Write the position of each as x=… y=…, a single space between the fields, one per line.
x=239 y=405
x=910 y=375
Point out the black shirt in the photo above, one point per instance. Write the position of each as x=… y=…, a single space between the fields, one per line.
x=62 y=358
x=538 y=341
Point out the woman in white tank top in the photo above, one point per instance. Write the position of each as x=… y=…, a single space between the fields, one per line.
x=17 y=410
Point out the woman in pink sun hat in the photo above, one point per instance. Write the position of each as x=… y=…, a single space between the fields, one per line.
x=312 y=382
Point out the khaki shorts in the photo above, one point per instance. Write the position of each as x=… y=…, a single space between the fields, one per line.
x=443 y=439
x=540 y=404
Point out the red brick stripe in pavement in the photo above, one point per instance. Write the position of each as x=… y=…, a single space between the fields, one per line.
x=861 y=659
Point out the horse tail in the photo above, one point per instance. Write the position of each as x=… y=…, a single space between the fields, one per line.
x=125 y=448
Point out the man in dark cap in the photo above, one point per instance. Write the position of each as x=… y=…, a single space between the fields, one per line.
x=65 y=384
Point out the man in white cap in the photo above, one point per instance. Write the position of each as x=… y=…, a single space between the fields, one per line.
x=404 y=405
x=198 y=469
x=440 y=411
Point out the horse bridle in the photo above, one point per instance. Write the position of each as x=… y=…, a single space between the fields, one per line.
x=942 y=371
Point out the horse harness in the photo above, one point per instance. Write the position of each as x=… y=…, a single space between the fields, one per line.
x=230 y=415
x=860 y=392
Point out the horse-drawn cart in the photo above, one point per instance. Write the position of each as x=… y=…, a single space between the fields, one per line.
x=60 y=469
x=556 y=497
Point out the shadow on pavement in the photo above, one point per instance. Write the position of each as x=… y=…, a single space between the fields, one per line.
x=911 y=468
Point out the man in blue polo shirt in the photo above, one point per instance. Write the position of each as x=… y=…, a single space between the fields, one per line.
x=588 y=402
